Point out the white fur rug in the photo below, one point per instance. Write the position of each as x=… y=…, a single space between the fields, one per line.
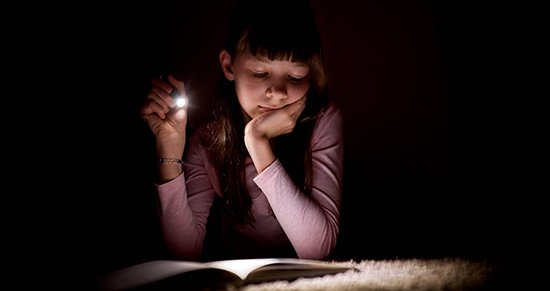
x=412 y=274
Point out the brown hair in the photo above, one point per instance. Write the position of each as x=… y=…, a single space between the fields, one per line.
x=282 y=30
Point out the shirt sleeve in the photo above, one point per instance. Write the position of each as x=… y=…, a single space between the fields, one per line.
x=184 y=205
x=311 y=223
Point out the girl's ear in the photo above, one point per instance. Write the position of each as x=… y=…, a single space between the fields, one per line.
x=227 y=68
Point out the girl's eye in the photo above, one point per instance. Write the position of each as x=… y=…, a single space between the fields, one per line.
x=296 y=79
x=256 y=74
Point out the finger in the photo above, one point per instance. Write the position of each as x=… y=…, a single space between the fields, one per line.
x=298 y=103
x=158 y=109
x=295 y=108
x=301 y=104
x=162 y=84
x=163 y=97
x=153 y=107
x=151 y=119
x=165 y=100
x=150 y=114
x=178 y=84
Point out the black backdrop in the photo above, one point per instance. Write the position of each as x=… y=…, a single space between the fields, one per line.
x=416 y=84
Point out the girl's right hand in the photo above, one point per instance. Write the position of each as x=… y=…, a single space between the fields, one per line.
x=166 y=121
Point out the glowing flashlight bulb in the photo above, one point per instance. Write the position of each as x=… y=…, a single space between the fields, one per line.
x=181 y=102
x=175 y=94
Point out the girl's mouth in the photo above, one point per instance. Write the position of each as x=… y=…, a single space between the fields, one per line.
x=266 y=109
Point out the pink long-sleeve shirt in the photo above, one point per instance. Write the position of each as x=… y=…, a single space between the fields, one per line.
x=284 y=217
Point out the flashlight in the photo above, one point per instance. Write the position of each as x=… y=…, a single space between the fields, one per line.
x=175 y=94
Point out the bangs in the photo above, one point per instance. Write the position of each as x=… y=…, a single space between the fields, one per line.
x=278 y=30
x=277 y=46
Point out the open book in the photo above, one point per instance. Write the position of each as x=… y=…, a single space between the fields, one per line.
x=157 y=275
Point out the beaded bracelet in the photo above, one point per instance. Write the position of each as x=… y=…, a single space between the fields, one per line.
x=169 y=161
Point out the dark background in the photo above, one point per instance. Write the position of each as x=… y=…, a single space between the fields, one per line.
x=429 y=149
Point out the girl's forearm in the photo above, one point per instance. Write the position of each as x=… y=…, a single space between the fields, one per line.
x=169 y=171
x=260 y=151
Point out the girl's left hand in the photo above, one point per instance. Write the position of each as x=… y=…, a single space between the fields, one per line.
x=266 y=126
x=275 y=122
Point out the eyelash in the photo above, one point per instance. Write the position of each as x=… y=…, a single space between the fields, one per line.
x=297 y=79
x=260 y=75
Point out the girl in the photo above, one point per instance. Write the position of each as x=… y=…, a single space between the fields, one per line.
x=269 y=167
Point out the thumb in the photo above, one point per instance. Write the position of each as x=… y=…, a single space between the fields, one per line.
x=178 y=116
x=182 y=99
x=178 y=84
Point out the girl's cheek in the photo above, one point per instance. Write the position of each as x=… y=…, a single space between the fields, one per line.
x=245 y=86
x=299 y=92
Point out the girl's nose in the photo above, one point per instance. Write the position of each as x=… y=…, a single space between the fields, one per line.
x=277 y=90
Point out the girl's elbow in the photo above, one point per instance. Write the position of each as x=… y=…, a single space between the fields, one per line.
x=315 y=254
x=318 y=251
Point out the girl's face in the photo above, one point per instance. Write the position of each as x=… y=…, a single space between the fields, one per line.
x=263 y=85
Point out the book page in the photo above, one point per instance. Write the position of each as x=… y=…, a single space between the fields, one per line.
x=242 y=268
x=292 y=271
x=268 y=269
x=146 y=273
